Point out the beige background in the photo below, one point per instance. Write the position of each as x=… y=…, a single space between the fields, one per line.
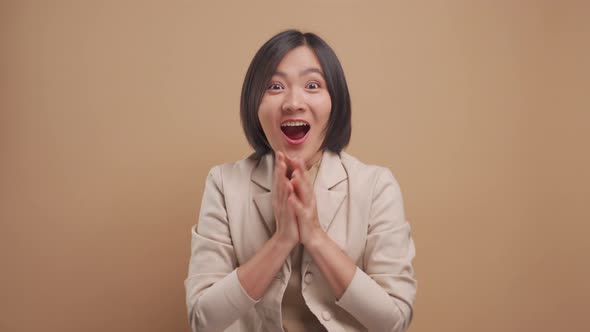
x=112 y=112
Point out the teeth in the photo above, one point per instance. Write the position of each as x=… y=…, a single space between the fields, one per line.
x=293 y=123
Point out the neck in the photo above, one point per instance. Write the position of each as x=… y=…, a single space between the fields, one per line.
x=314 y=160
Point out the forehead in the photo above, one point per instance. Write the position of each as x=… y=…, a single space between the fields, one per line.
x=297 y=59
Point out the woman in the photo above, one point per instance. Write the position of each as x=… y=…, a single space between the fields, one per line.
x=300 y=236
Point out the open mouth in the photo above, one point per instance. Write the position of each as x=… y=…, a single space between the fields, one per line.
x=295 y=130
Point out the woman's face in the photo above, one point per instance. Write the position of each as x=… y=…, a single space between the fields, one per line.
x=295 y=108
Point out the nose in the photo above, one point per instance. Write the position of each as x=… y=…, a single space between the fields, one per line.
x=294 y=101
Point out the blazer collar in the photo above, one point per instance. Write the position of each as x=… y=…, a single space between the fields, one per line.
x=328 y=200
x=330 y=173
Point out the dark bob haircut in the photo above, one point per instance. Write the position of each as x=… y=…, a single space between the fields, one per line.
x=262 y=68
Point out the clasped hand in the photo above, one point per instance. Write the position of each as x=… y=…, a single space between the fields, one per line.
x=293 y=201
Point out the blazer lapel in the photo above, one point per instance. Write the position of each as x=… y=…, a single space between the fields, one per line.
x=329 y=200
x=262 y=176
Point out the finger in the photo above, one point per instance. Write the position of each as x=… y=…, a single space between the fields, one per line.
x=275 y=181
x=280 y=177
x=302 y=186
x=286 y=184
x=296 y=206
x=283 y=164
x=282 y=180
x=285 y=202
x=297 y=185
x=279 y=161
x=276 y=171
x=288 y=189
x=290 y=166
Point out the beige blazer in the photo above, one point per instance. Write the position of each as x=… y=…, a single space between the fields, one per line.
x=361 y=209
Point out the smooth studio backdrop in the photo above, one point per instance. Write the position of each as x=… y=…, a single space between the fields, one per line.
x=112 y=112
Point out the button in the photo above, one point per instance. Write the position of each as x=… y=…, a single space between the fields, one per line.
x=308 y=278
x=326 y=315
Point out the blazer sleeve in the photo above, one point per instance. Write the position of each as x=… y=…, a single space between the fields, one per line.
x=381 y=297
x=214 y=296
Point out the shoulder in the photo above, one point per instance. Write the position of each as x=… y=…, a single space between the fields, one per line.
x=232 y=171
x=373 y=182
x=377 y=185
x=357 y=169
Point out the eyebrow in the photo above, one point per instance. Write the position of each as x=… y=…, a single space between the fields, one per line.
x=303 y=72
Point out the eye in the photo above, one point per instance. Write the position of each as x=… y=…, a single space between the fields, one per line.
x=275 y=86
x=312 y=85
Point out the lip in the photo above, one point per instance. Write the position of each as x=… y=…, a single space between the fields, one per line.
x=302 y=139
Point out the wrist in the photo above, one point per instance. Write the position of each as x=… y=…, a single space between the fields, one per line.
x=285 y=240
x=314 y=238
